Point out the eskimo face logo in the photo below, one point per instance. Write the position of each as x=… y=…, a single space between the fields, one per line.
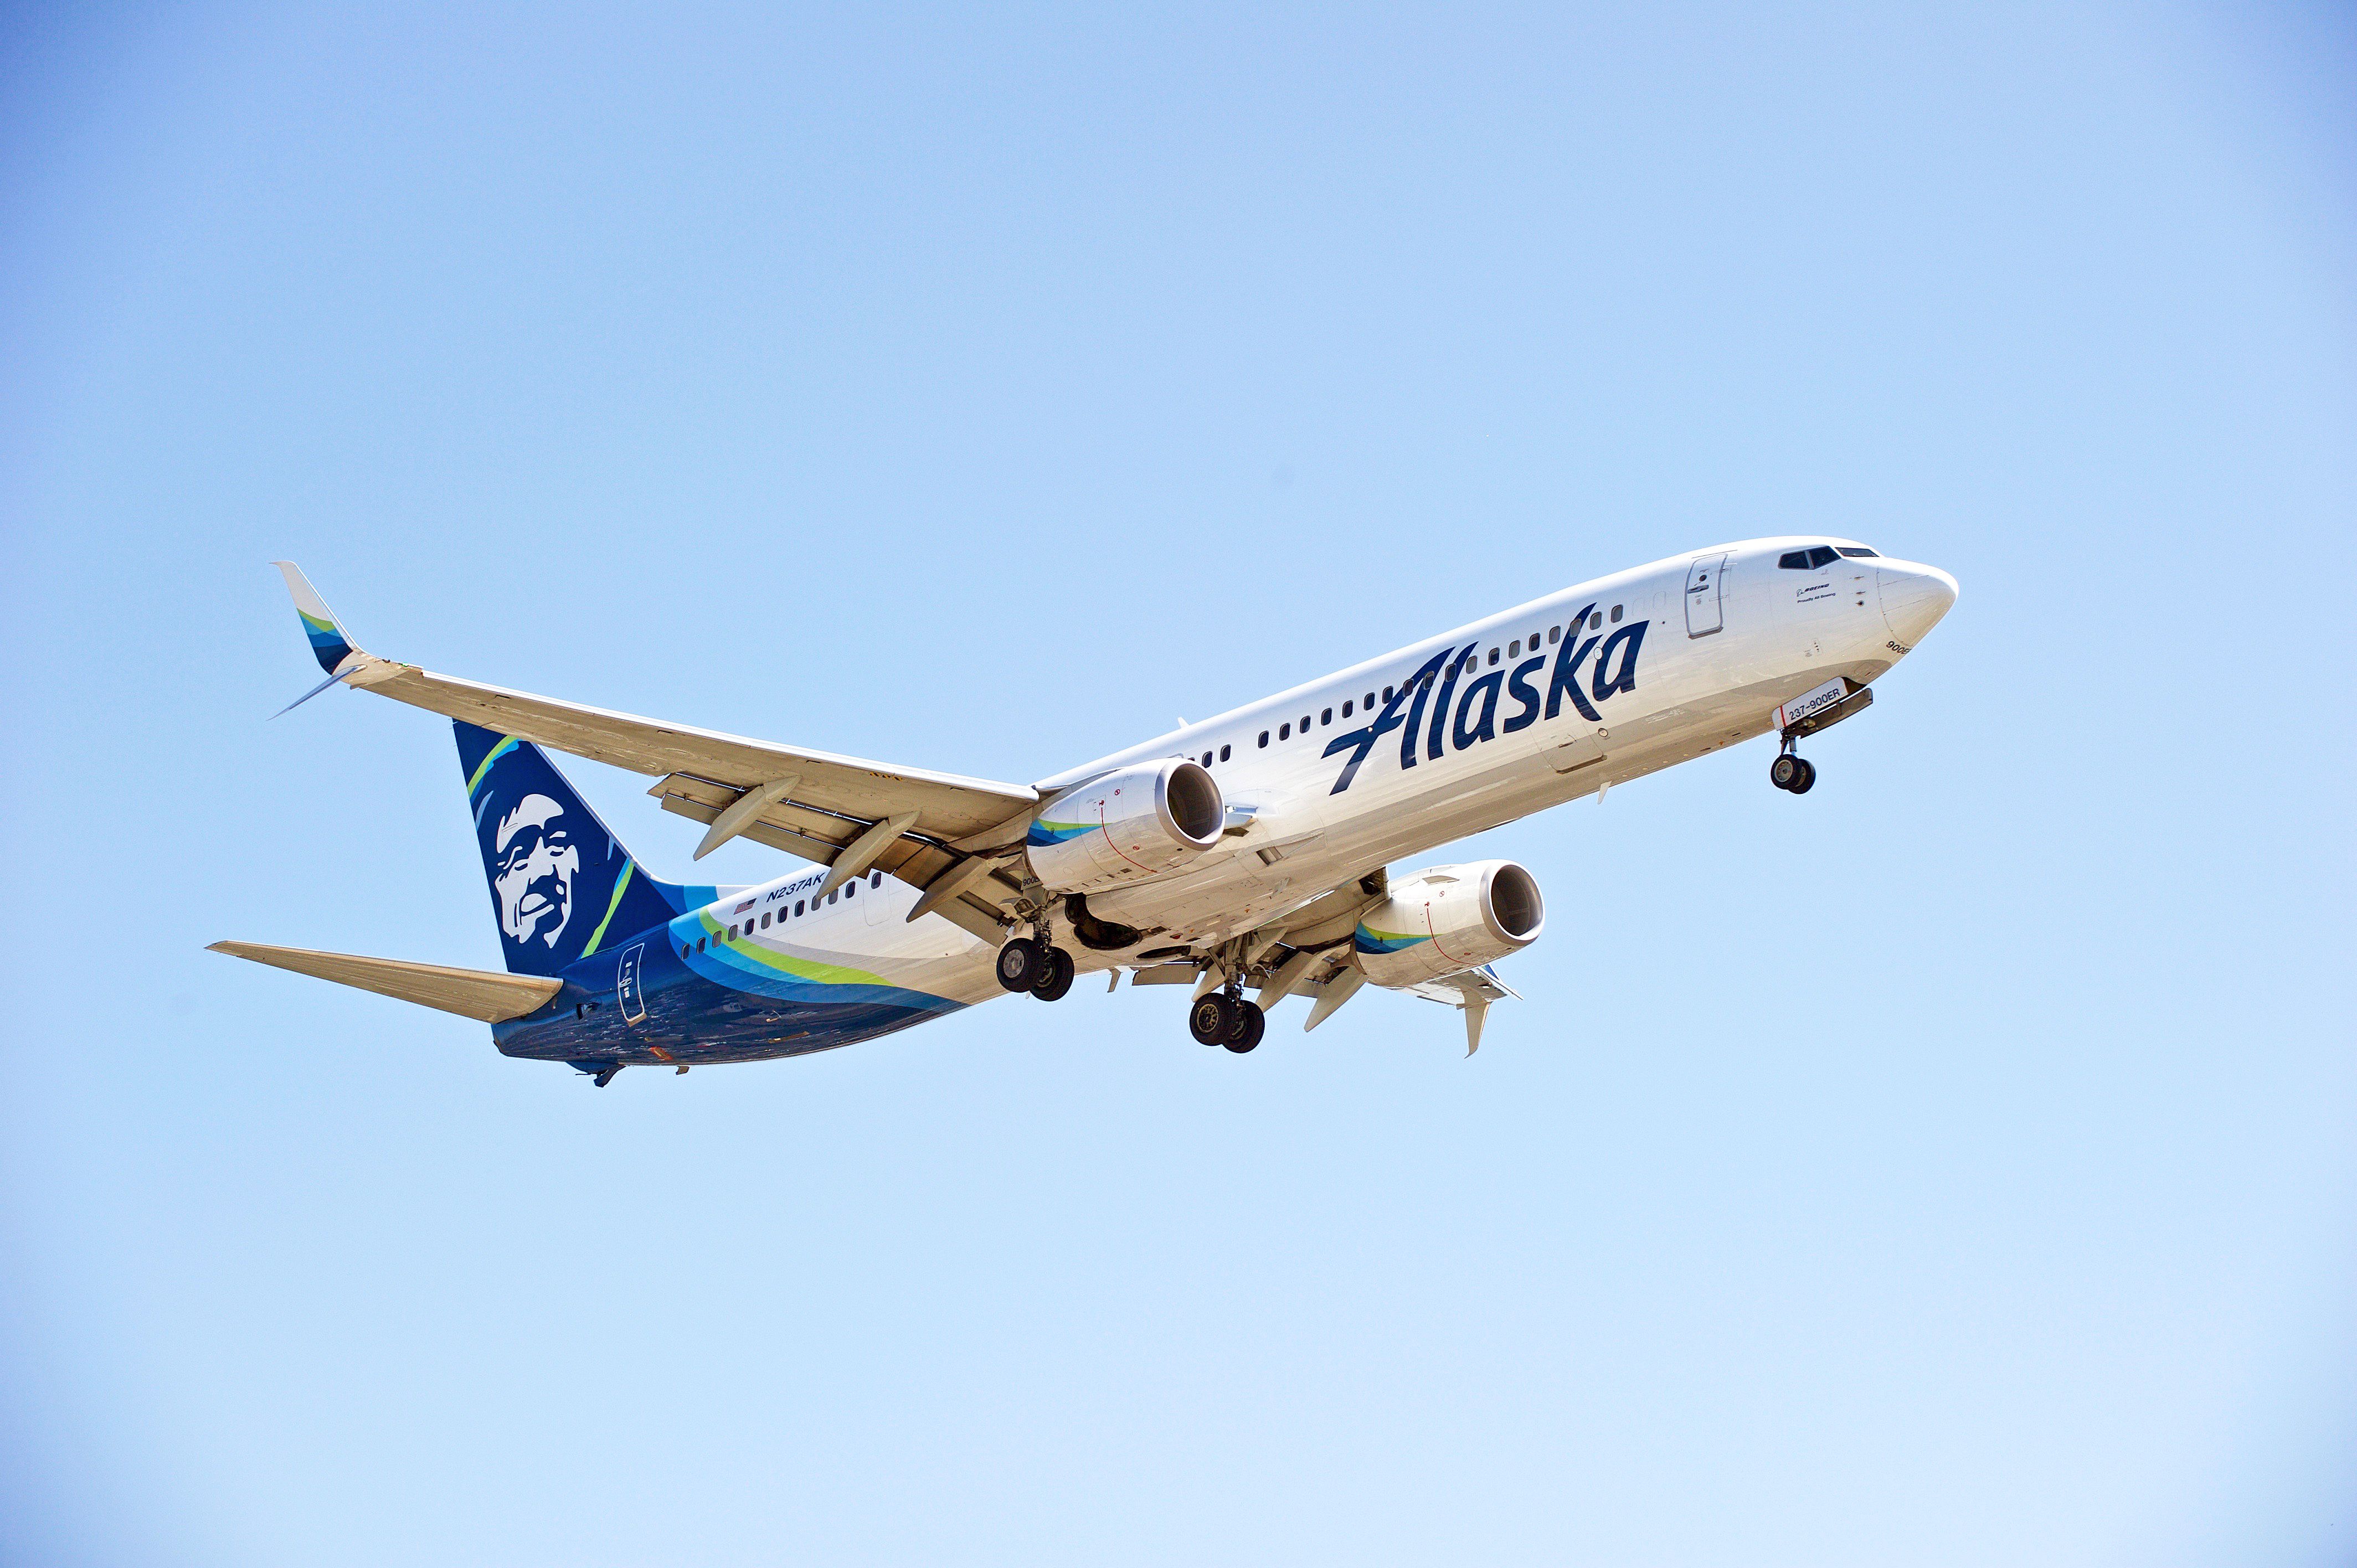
x=534 y=862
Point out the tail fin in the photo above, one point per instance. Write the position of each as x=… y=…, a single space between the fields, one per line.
x=562 y=885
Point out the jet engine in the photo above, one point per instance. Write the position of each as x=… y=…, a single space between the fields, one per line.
x=1446 y=919
x=1126 y=826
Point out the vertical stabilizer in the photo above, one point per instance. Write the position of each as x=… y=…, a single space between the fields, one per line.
x=563 y=886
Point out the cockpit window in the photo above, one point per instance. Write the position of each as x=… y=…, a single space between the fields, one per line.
x=1855 y=549
x=1809 y=560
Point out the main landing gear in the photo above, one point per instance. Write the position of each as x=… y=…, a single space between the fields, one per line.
x=1792 y=773
x=1026 y=963
x=1225 y=1018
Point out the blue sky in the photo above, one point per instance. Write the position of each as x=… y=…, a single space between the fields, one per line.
x=1953 y=1166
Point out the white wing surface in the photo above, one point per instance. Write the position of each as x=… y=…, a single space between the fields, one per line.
x=703 y=771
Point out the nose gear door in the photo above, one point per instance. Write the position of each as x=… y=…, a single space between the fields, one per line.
x=1702 y=613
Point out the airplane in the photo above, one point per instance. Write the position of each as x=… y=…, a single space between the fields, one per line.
x=1247 y=851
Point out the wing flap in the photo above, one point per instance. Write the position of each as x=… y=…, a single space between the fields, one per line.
x=820 y=837
x=470 y=992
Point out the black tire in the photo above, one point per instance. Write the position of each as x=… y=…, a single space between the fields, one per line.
x=1784 y=770
x=1251 y=1024
x=1807 y=780
x=1021 y=962
x=1055 y=976
x=1210 y=1019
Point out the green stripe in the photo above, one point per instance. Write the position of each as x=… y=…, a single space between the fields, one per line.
x=613 y=904
x=507 y=744
x=749 y=951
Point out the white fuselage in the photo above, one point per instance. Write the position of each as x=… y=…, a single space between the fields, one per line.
x=1690 y=654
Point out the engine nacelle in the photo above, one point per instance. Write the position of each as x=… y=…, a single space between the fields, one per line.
x=1446 y=919
x=1126 y=827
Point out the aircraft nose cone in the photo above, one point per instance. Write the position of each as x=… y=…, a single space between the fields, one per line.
x=1913 y=599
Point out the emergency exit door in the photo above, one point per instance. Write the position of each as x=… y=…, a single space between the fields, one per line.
x=1702 y=613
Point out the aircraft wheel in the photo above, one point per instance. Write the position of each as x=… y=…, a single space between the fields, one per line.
x=1808 y=778
x=1021 y=965
x=1055 y=976
x=1251 y=1024
x=1784 y=770
x=1211 y=1018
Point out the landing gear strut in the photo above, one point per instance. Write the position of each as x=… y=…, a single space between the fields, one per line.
x=1792 y=773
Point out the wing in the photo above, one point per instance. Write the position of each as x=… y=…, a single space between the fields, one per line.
x=842 y=811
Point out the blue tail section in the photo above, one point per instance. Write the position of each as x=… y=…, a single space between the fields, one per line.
x=562 y=885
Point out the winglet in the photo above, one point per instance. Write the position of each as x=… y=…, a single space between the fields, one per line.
x=329 y=646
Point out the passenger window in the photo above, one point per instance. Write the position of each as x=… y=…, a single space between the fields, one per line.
x=1346 y=708
x=1534 y=642
x=1263 y=738
x=875 y=879
x=1304 y=724
x=1325 y=715
x=1554 y=634
x=798 y=905
x=765 y=922
x=683 y=951
x=1371 y=700
x=1856 y=549
x=1514 y=649
x=849 y=888
x=833 y=896
x=1223 y=754
x=1616 y=614
x=1493 y=656
x=699 y=941
x=1387 y=695
x=1206 y=760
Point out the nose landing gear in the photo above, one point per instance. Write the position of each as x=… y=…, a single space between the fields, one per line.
x=1793 y=773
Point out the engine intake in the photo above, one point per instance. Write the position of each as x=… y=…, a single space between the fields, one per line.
x=1126 y=826
x=1446 y=919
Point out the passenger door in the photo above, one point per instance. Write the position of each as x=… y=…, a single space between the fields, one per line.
x=1704 y=615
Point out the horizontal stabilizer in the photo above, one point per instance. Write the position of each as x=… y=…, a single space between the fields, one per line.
x=470 y=992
